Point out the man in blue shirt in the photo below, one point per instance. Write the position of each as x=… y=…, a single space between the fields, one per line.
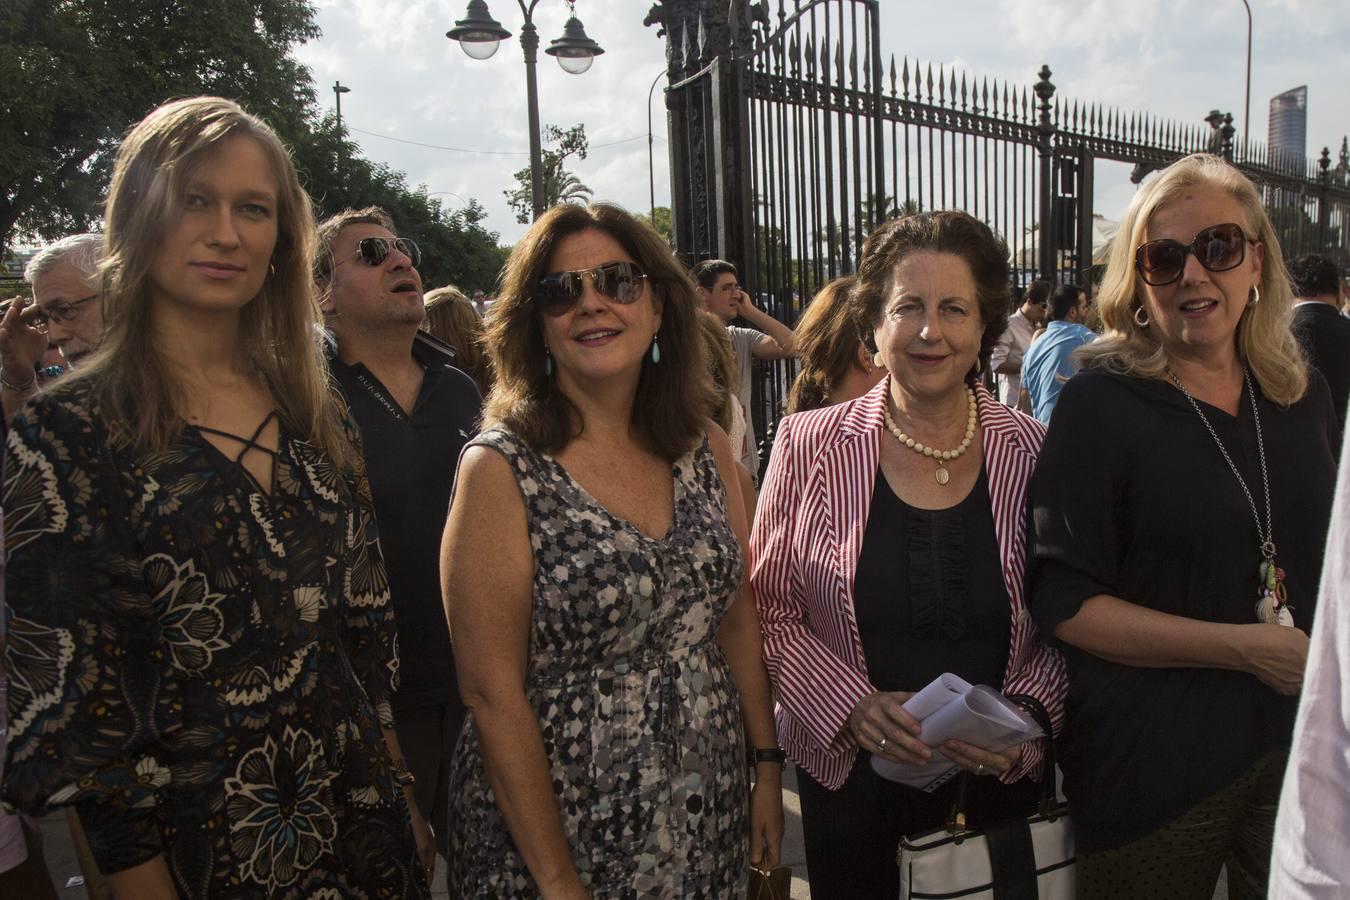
x=1050 y=362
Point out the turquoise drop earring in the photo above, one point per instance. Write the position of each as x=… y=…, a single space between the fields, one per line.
x=656 y=351
x=548 y=362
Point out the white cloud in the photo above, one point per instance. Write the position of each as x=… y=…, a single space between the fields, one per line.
x=1178 y=59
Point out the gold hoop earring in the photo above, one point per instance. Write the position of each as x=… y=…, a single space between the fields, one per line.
x=1254 y=296
x=1141 y=322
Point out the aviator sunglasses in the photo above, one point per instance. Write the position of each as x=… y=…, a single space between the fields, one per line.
x=1218 y=248
x=373 y=251
x=558 y=292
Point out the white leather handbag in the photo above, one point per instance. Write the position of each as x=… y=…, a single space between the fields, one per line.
x=1031 y=857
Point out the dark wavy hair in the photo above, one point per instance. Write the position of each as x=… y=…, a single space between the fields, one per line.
x=1311 y=276
x=827 y=344
x=942 y=231
x=670 y=411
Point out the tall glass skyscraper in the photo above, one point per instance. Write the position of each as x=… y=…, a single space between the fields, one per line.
x=1288 y=134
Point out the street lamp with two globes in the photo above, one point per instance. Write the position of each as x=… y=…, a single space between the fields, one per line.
x=479 y=35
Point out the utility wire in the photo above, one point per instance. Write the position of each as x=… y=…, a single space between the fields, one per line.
x=484 y=152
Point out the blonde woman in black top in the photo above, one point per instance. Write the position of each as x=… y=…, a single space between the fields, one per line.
x=1181 y=503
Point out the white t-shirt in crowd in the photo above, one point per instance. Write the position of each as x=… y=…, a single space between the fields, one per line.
x=743 y=341
x=1011 y=347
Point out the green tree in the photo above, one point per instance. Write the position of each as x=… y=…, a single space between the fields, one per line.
x=77 y=73
x=456 y=248
x=560 y=185
x=663 y=223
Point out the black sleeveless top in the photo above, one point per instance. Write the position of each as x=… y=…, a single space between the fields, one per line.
x=929 y=593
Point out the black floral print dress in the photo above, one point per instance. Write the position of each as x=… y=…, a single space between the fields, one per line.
x=639 y=715
x=200 y=668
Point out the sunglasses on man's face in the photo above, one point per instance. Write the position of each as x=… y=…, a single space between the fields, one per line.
x=1218 y=248
x=558 y=292
x=373 y=251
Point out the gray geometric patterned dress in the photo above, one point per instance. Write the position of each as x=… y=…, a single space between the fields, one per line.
x=640 y=717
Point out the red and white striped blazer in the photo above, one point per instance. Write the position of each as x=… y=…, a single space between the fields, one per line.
x=804 y=550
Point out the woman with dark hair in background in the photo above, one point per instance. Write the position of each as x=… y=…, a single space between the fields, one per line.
x=607 y=644
x=880 y=562
x=835 y=366
x=201 y=648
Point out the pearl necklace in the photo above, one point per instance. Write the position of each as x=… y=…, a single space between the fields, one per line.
x=941 y=457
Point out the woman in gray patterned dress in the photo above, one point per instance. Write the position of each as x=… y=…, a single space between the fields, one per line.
x=593 y=567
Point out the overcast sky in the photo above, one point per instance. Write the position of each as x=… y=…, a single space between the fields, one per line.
x=1175 y=58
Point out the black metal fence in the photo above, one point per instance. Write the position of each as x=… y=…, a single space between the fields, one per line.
x=791 y=138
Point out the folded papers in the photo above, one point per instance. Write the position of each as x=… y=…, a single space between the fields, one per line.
x=952 y=708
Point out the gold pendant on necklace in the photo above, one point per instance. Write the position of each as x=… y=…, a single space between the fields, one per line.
x=942 y=475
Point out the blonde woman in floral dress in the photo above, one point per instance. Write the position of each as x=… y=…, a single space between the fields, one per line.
x=201 y=648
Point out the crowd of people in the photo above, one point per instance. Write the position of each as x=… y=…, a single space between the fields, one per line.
x=313 y=577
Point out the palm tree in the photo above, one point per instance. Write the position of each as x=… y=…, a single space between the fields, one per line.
x=564 y=187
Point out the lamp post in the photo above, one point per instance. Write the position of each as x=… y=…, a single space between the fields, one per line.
x=1247 y=105
x=479 y=35
x=651 y=164
x=338 y=90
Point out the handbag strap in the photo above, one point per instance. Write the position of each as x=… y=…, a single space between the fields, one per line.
x=1037 y=711
x=956 y=818
x=1012 y=860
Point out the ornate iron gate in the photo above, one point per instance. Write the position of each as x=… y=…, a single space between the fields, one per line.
x=791 y=137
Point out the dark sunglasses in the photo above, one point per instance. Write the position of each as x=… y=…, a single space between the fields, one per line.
x=1218 y=248
x=558 y=292
x=373 y=251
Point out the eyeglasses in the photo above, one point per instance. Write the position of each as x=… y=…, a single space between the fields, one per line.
x=1218 y=248
x=373 y=251
x=558 y=292
x=38 y=317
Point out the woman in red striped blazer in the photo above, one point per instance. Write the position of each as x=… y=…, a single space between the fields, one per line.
x=890 y=547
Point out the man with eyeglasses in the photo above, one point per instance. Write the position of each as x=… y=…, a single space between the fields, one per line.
x=415 y=411
x=63 y=316
x=768 y=339
x=39 y=339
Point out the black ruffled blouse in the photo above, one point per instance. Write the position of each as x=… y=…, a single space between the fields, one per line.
x=929 y=594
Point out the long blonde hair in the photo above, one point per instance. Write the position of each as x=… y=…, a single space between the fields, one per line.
x=139 y=398
x=1265 y=342
x=722 y=369
x=451 y=319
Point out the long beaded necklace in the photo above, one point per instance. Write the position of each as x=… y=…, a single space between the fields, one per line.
x=941 y=457
x=1272 y=605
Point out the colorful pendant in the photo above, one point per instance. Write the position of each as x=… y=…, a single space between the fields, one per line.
x=1272 y=607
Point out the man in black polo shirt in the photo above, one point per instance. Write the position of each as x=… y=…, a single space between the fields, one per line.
x=415 y=412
